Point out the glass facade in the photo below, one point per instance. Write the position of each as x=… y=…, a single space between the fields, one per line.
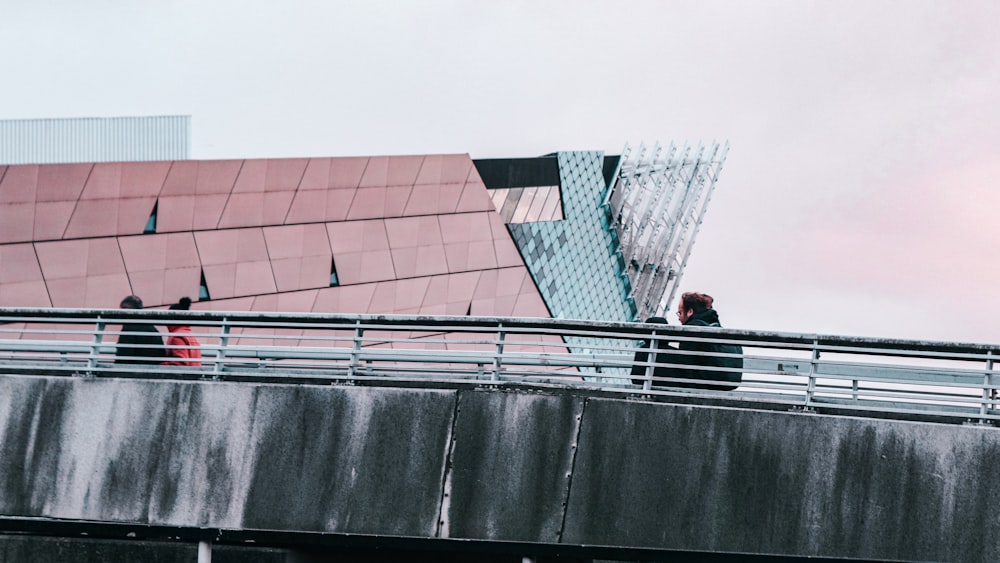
x=574 y=261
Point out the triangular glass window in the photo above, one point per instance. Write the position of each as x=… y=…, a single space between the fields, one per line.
x=151 y=223
x=203 y=289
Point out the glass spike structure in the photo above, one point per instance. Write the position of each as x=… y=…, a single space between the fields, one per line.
x=657 y=205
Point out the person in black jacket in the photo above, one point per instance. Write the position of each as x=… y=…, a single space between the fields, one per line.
x=139 y=343
x=695 y=309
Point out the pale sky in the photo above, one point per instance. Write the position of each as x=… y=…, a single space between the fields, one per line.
x=861 y=188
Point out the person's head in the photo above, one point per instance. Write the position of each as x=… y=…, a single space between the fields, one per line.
x=131 y=302
x=657 y=320
x=692 y=303
x=183 y=305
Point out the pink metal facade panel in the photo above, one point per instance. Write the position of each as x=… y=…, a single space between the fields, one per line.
x=133 y=213
x=316 y=175
x=376 y=173
x=50 y=219
x=404 y=234
x=252 y=177
x=175 y=213
x=61 y=182
x=24 y=294
x=143 y=179
x=284 y=174
x=217 y=176
x=16 y=222
x=63 y=259
x=403 y=170
x=474 y=196
x=18 y=263
x=208 y=211
x=93 y=218
x=182 y=179
x=19 y=183
x=396 y=199
x=347 y=172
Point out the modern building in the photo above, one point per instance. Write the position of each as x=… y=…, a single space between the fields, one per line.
x=563 y=235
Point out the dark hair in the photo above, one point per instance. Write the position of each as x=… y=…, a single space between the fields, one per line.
x=659 y=320
x=131 y=302
x=697 y=302
x=183 y=305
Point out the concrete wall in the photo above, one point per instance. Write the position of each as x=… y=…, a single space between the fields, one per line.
x=523 y=466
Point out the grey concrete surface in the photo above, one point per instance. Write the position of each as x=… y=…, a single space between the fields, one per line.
x=551 y=467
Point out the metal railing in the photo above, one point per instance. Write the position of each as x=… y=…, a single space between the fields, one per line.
x=879 y=377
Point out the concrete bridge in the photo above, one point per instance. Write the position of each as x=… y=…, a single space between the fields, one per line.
x=494 y=440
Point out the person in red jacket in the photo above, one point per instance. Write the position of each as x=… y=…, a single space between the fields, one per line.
x=183 y=349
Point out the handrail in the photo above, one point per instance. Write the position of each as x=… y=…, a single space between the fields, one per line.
x=814 y=372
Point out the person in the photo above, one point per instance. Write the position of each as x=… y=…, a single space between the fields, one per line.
x=138 y=343
x=183 y=349
x=695 y=309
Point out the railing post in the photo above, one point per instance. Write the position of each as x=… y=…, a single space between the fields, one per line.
x=95 y=347
x=223 y=343
x=989 y=394
x=811 y=386
x=355 y=351
x=204 y=552
x=497 y=364
x=650 y=357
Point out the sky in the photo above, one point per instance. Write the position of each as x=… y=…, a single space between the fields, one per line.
x=859 y=195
